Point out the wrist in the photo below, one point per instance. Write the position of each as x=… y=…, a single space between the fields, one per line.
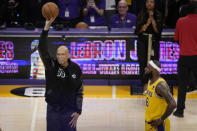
x=46 y=28
x=96 y=8
x=162 y=119
x=85 y=10
x=144 y=27
x=153 y=22
x=147 y=24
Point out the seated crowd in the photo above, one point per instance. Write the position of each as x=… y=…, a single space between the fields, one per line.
x=72 y=13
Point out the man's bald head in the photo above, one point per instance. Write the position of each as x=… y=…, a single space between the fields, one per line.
x=122 y=8
x=62 y=55
x=122 y=2
x=63 y=47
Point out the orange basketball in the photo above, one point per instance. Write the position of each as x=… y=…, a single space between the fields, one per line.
x=81 y=25
x=50 y=10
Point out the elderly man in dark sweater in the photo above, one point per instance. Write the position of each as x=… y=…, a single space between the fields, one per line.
x=64 y=89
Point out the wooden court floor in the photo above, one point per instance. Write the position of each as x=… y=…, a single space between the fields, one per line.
x=105 y=108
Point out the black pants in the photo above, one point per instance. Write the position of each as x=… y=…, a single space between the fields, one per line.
x=142 y=50
x=58 y=119
x=186 y=65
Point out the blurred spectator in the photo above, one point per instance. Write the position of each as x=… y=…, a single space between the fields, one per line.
x=149 y=21
x=131 y=5
x=123 y=19
x=173 y=12
x=186 y=35
x=184 y=9
x=32 y=15
x=139 y=5
x=161 y=6
x=13 y=13
x=82 y=25
x=110 y=10
x=3 y=9
x=110 y=5
x=69 y=13
x=94 y=12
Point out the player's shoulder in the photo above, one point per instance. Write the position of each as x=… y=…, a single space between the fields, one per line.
x=161 y=79
x=75 y=68
x=182 y=19
x=74 y=65
x=162 y=83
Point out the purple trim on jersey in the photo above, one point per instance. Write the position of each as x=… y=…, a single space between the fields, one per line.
x=130 y=21
x=161 y=127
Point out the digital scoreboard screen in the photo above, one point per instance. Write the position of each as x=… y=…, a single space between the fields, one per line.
x=14 y=58
x=6 y=57
x=98 y=57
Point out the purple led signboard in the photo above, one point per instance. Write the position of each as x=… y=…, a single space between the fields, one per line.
x=6 y=58
x=98 y=57
x=110 y=57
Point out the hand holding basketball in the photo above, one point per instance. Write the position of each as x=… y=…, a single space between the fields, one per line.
x=50 y=10
x=48 y=23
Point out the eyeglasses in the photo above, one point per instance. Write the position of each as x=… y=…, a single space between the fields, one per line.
x=122 y=6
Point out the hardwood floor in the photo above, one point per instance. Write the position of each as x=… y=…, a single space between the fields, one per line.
x=99 y=114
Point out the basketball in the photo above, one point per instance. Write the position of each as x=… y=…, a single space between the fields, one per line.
x=81 y=25
x=50 y=10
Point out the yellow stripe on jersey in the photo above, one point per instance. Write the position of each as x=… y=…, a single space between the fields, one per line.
x=155 y=105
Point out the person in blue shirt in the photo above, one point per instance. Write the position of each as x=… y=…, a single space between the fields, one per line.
x=69 y=13
x=123 y=19
x=93 y=12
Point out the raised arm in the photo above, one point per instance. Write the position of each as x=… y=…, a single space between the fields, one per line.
x=157 y=22
x=100 y=11
x=43 y=47
x=141 y=23
x=163 y=91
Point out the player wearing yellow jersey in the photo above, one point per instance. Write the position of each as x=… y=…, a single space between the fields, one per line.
x=159 y=101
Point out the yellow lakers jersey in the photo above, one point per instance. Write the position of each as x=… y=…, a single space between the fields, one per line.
x=155 y=105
